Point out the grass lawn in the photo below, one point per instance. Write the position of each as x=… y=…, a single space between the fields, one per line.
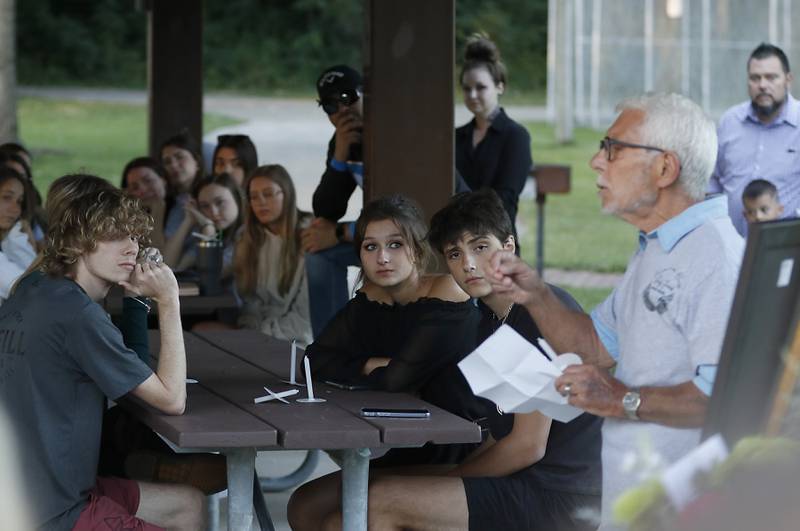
x=588 y=298
x=577 y=234
x=97 y=138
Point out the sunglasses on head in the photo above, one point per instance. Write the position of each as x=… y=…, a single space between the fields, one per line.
x=347 y=98
x=222 y=139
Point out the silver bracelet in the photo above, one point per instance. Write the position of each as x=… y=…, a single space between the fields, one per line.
x=142 y=302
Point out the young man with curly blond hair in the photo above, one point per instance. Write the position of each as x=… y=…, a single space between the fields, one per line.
x=61 y=357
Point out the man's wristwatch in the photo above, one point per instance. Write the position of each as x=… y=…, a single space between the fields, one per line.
x=630 y=404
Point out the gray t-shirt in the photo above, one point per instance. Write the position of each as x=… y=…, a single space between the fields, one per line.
x=667 y=317
x=60 y=357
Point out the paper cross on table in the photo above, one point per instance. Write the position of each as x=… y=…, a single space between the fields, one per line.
x=512 y=373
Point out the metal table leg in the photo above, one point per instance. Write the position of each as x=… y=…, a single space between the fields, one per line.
x=241 y=468
x=355 y=487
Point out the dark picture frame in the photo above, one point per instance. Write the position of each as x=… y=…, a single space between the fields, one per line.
x=761 y=330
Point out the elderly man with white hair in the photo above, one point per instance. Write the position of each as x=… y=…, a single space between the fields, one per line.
x=665 y=322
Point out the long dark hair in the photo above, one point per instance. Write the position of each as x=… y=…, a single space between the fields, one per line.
x=143 y=162
x=185 y=141
x=244 y=148
x=226 y=181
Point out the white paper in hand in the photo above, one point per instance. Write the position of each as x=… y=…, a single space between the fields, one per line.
x=514 y=374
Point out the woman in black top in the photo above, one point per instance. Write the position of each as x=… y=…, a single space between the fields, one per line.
x=532 y=472
x=492 y=150
x=403 y=324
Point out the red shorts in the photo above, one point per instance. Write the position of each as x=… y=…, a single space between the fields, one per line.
x=113 y=503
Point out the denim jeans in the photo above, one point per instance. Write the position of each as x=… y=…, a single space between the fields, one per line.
x=327 y=282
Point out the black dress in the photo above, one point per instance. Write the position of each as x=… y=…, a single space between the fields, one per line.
x=546 y=494
x=425 y=340
x=420 y=338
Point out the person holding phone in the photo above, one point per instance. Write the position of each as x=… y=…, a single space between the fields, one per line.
x=327 y=241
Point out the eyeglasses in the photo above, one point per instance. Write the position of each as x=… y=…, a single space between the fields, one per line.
x=347 y=98
x=266 y=196
x=607 y=143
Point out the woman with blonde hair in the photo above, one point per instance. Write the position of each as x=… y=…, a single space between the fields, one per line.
x=268 y=263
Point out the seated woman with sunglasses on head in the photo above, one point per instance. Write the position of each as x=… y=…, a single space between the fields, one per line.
x=235 y=155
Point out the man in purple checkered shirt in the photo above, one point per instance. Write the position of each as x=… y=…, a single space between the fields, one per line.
x=760 y=138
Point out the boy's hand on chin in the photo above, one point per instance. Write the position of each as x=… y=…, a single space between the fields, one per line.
x=153 y=280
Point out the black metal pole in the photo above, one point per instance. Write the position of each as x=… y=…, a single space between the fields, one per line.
x=540 y=199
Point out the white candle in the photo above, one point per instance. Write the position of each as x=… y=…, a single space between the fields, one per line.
x=273 y=396
x=548 y=350
x=293 y=363
x=309 y=385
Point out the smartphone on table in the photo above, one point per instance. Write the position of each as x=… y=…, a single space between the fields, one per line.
x=397 y=413
x=347 y=386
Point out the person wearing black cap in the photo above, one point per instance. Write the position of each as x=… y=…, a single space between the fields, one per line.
x=328 y=244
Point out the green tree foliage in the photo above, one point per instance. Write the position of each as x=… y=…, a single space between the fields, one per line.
x=276 y=45
x=518 y=27
x=254 y=45
x=84 y=42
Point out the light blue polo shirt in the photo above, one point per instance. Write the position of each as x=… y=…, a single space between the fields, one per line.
x=666 y=319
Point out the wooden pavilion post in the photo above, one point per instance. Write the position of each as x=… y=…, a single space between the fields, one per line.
x=175 y=70
x=408 y=111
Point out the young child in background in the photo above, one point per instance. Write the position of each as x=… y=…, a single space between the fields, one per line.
x=761 y=202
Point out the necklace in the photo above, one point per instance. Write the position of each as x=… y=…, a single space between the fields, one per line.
x=508 y=312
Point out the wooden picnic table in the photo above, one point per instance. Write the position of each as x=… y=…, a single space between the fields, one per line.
x=191 y=305
x=232 y=368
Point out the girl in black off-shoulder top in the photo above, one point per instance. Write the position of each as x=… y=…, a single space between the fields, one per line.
x=415 y=339
x=403 y=326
